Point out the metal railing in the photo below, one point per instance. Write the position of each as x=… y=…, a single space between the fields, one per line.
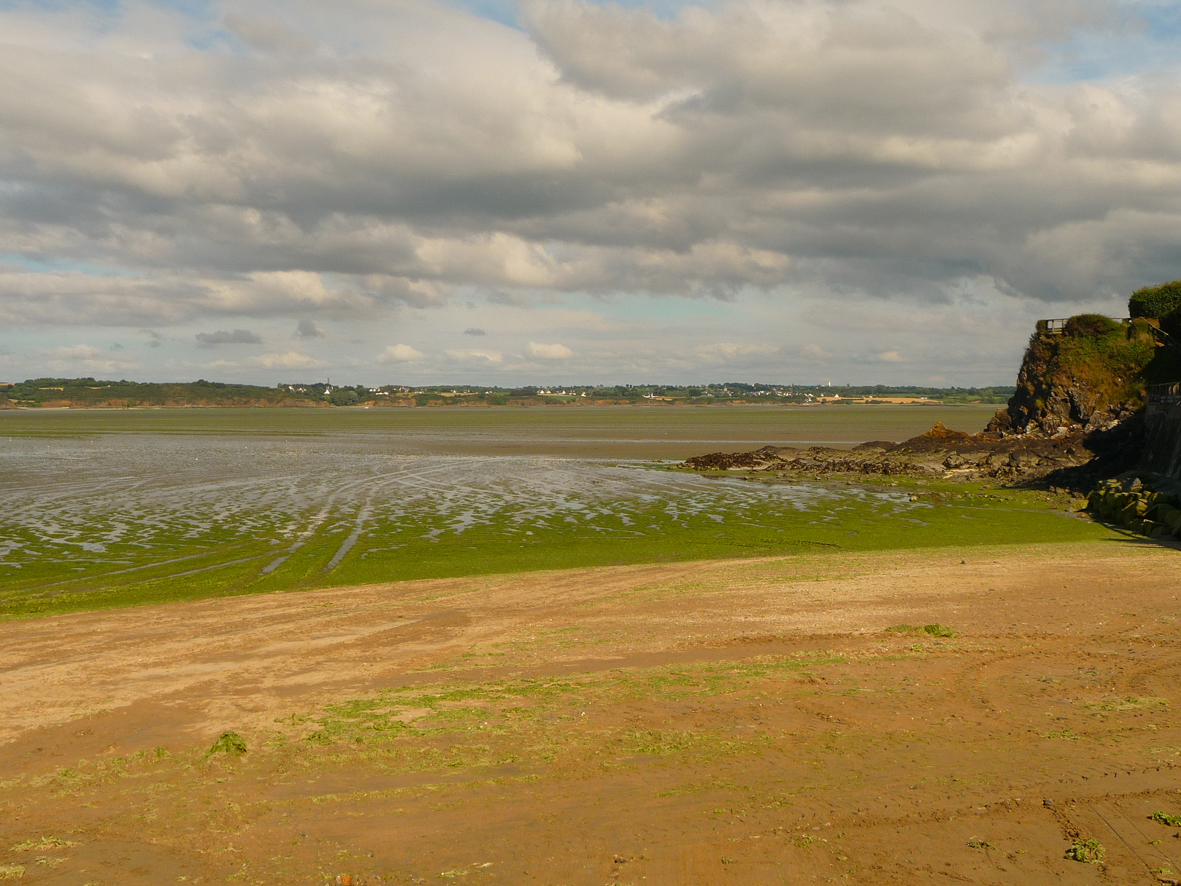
x=1057 y=326
x=1165 y=395
x=1163 y=338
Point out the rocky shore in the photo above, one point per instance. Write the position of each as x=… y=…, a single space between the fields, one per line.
x=1148 y=506
x=1077 y=417
x=1073 y=460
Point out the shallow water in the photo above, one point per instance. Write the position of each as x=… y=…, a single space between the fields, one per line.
x=576 y=432
x=112 y=501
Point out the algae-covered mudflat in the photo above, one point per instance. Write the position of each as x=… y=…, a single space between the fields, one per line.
x=112 y=509
x=851 y=682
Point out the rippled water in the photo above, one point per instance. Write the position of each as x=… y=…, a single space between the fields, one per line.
x=110 y=500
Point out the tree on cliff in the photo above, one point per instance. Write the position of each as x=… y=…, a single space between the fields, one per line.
x=1156 y=302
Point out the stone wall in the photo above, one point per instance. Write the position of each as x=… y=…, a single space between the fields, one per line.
x=1162 y=424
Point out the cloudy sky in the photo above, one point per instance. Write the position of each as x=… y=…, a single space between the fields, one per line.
x=549 y=191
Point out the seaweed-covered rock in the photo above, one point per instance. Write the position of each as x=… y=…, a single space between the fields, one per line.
x=1148 y=505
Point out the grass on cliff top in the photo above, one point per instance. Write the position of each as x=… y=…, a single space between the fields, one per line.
x=179 y=569
x=1112 y=364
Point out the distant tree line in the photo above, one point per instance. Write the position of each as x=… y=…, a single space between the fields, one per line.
x=95 y=392
x=123 y=393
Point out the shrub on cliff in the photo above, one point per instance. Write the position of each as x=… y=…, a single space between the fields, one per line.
x=1171 y=323
x=1091 y=326
x=1155 y=301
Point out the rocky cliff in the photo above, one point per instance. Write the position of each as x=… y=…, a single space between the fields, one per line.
x=1076 y=417
x=1089 y=376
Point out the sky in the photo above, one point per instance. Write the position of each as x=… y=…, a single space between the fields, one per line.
x=568 y=192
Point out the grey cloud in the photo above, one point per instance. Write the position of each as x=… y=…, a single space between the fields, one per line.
x=308 y=329
x=853 y=147
x=224 y=337
x=866 y=68
x=73 y=298
x=474 y=330
x=510 y=299
x=401 y=289
x=268 y=34
x=73 y=358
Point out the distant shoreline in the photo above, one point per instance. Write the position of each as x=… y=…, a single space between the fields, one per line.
x=58 y=406
x=89 y=393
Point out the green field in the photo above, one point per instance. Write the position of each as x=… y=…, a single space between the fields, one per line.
x=117 y=509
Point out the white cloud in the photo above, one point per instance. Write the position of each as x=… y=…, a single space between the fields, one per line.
x=471 y=356
x=750 y=144
x=891 y=357
x=289 y=360
x=548 y=352
x=726 y=352
x=400 y=354
x=361 y=163
x=270 y=293
x=815 y=352
x=268 y=34
x=89 y=359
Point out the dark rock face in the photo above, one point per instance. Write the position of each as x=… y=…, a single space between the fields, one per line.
x=1001 y=423
x=1077 y=383
x=1074 y=460
x=1051 y=401
x=938 y=453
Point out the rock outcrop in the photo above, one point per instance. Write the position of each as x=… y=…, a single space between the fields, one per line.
x=939 y=453
x=1088 y=377
x=1076 y=417
x=1149 y=506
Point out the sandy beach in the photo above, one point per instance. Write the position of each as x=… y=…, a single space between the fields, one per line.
x=783 y=720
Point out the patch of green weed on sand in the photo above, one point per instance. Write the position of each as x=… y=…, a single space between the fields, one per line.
x=43 y=844
x=1127 y=703
x=230 y=744
x=933 y=630
x=470 y=726
x=1089 y=851
x=695 y=743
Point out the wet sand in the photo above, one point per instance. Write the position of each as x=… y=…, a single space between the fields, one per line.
x=723 y=722
x=611 y=432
